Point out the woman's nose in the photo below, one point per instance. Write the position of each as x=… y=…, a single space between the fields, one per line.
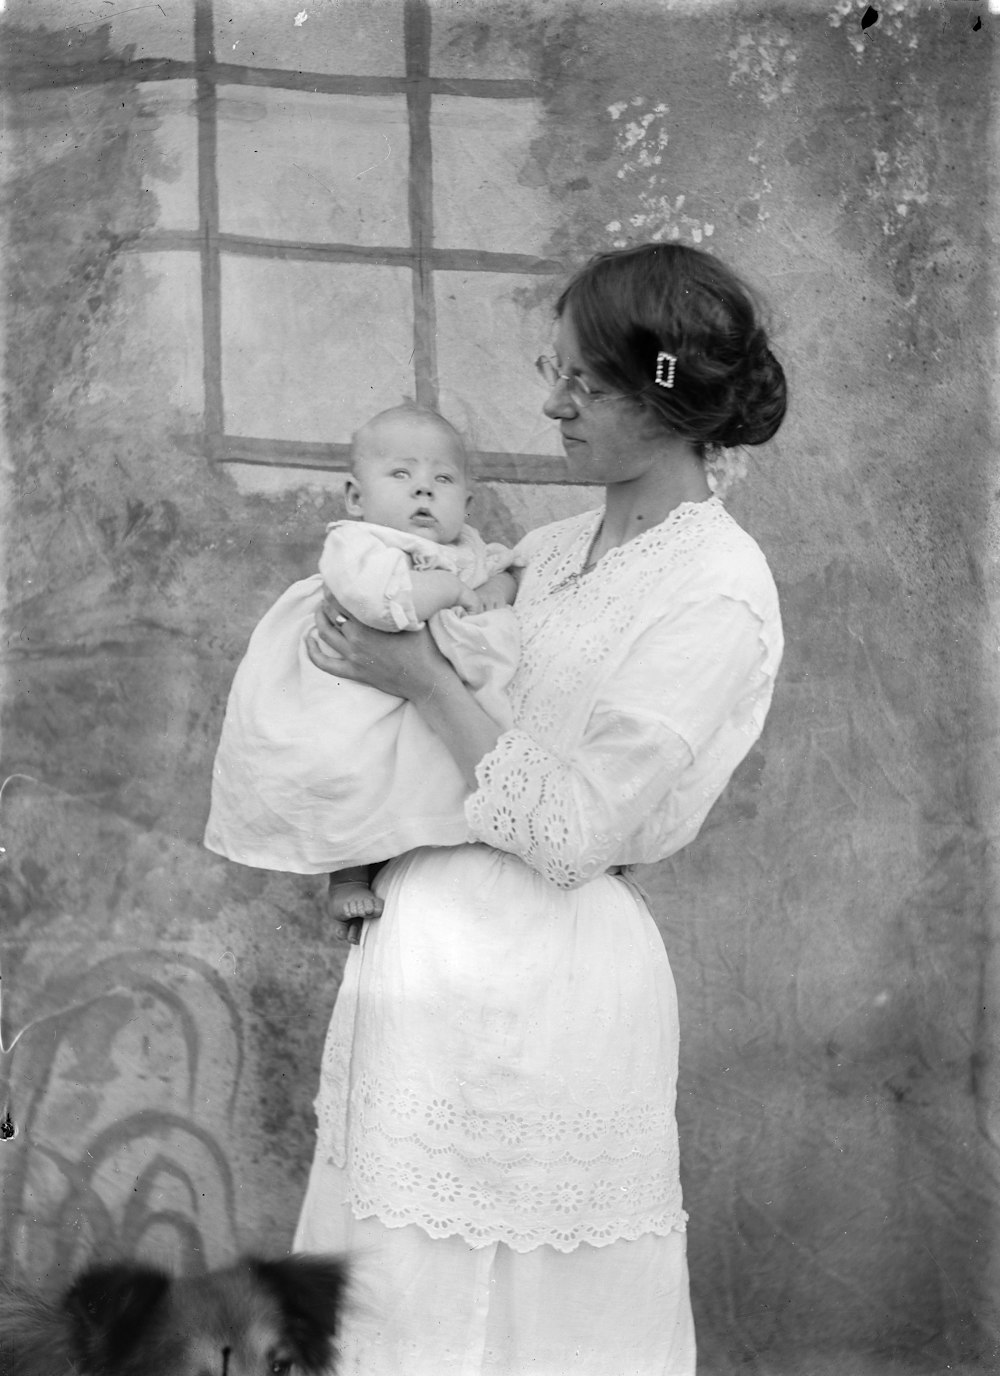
x=559 y=403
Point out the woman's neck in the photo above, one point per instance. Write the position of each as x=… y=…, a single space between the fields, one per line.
x=636 y=506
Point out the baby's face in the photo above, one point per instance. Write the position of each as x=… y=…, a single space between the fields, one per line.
x=409 y=474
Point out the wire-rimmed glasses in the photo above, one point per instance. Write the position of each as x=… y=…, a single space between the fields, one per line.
x=580 y=391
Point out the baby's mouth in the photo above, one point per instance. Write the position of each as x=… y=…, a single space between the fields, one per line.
x=423 y=517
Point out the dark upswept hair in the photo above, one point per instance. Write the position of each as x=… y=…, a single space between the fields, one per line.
x=628 y=305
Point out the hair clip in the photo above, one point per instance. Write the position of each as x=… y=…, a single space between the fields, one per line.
x=671 y=361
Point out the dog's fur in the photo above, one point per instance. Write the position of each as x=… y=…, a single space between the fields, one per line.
x=256 y=1318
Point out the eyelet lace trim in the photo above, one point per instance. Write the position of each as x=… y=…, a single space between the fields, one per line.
x=556 y=1177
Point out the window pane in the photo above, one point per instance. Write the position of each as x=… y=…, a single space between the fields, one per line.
x=153 y=30
x=293 y=165
x=310 y=350
x=465 y=44
x=172 y=298
x=173 y=176
x=490 y=329
x=486 y=189
x=358 y=37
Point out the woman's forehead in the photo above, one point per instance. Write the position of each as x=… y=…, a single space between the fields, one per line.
x=565 y=340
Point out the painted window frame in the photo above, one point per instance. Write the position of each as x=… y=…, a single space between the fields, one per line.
x=421 y=257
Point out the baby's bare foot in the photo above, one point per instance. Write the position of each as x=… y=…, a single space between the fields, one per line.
x=353 y=900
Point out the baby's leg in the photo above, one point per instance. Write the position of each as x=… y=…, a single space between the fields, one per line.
x=351 y=899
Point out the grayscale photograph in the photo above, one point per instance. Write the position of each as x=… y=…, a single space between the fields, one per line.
x=600 y=395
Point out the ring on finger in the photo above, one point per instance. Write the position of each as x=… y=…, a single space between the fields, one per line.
x=340 y=620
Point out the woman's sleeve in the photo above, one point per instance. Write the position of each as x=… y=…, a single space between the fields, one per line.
x=370 y=579
x=699 y=673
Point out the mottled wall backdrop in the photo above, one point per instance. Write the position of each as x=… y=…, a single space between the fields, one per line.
x=234 y=230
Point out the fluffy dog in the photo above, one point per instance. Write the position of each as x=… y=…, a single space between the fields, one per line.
x=256 y=1318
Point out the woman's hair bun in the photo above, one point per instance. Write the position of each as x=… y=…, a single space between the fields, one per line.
x=759 y=397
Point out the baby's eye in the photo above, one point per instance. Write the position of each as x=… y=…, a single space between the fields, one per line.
x=445 y=478
x=400 y=473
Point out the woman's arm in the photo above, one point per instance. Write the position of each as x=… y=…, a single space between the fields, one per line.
x=661 y=742
x=408 y=666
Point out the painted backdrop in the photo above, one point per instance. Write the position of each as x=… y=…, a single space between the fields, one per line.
x=232 y=232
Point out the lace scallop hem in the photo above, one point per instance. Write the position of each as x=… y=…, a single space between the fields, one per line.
x=482 y=1235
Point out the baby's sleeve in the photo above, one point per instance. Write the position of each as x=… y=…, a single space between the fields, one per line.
x=500 y=558
x=370 y=579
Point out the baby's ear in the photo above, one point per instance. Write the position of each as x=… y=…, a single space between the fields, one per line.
x=353 y=500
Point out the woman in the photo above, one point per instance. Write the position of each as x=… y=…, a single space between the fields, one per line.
x=497 y=1139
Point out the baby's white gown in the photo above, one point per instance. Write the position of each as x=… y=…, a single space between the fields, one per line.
x=314 y=773
x=497 y=1139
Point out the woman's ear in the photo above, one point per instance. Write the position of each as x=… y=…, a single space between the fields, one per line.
x=653 y=425
x=353 y=500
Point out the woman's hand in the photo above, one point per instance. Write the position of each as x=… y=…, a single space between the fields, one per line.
x=498 y=591
x=470 y=601
x=407 y=663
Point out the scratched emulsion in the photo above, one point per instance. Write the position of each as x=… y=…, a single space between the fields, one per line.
x=829 y=928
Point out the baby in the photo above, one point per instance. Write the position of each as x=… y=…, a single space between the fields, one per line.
x=315 y=773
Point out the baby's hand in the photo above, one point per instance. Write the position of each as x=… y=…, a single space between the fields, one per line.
x=498 y=591
x=470 y=600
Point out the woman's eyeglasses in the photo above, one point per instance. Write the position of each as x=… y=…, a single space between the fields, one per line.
x=580 y=391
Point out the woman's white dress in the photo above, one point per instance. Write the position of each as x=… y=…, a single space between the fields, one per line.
x=497 y=1137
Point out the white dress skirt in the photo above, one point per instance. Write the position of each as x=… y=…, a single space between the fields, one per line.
x=497 y=1144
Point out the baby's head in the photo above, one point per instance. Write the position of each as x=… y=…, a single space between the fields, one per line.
x=410 y=471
